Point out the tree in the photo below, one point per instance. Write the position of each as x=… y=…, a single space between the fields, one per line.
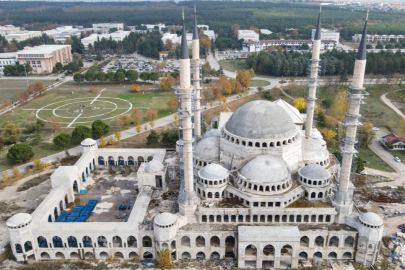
x=38 y=164
x=118 y=135
x=10 y=132
x=172 y=104
x=153 y=138
x=154 y=76
x=78 y=77
x=305 y=46
x=138 y=128
x=20 y=153
x=58 y=66
x=367 y=134
x=103 y=141
x=132 y=75
x=340 y=106
x=167 y=83
x=72 y=67
x=80 y=133
x=54 y=123
x=62 y=140
x=93 y=89
x=244 y=78
x=99 y=128
x=111 y=141
x=101 y=76
x=90 y=76
x=152 y=124
x=299 y=103
x=360 y=165
x=144 y=76
x=165 y=259
x=137 y=116
x=152 y=114
x=110 y=76
x=135 y=88
x=205 y=42
x=119 y=76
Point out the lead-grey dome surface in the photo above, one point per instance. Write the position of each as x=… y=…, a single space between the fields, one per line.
x=313 y=150
x=213 y=172
x=261 y=119
x=208 y=149
x=371 y=219
x=154 y=166
x=266 y=169
x=314 y=172
x=212 y=133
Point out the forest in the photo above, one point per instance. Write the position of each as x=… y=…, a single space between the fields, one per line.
x=289 y=63
x=220 y=16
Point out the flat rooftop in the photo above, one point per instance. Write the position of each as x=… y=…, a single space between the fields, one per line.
x=42 y=49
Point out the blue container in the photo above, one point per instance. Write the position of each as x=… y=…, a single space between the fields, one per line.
x=388 y=255
x=394 y=254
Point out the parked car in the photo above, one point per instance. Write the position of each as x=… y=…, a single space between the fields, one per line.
x=397 y=159
x=376 y=129
x=363 y=172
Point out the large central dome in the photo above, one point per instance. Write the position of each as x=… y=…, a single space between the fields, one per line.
x=261 y=119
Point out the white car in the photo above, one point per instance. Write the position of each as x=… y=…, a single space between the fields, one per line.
x=397 y=159
x=376 y=129
x=363 y=172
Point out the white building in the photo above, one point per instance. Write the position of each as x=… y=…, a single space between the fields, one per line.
x=152 y=27
x=210 y=34
x=265 y=32
x=23 y=35
x=43 y=58
x=293 y=44
x=117 y=36
x=378 y=38
x=327 y=34
x=9 y=29
x=7 y=59
x=107 y=26
x=248 y=35
x=173 y=37
x=62 y=33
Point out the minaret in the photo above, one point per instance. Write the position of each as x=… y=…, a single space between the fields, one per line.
x=313 y=78
x=188 y=198
x=344 y=196
x=195 y=64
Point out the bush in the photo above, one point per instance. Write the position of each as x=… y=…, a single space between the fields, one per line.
x=62 y=140
x=80 y=133
x=20 y=153
x=99 y=128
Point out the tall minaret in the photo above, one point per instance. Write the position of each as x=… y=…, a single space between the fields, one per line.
x=188 y=198
x=344 y=196
x=195 y=64
x=313 y=78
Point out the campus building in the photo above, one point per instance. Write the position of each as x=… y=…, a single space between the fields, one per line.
x=116 y=36
x=327 y=34
x=9 y=29
x=261 y=190
x=23 y=35
x=43 y=58
x=379 y=38
x=248 y=35
x=7 y=59
x=62 y=33
x=291 y=44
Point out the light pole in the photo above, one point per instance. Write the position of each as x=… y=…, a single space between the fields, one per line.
x=26 y=76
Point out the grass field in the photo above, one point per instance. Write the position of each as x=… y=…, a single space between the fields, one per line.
x=9 y=88
x=233 y=65
x=374 y=161
x=259 y=83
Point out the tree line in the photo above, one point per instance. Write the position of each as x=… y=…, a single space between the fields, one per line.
x=290 y=63
x=118 y=77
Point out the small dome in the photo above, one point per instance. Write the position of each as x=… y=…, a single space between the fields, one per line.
x=314 y=172
x=208 y=149
x=371 y=219
x=313 y=150
x=154 y=166
x=212 y=133
x=213 y=172
x=261 y=119
x=266 y=169
x=165 y=219
x=88 y=142
x=19 y=219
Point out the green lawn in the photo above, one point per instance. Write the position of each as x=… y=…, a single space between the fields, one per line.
x=9 y=88
x=259 y=83
x=374 y=161
x=233 y=65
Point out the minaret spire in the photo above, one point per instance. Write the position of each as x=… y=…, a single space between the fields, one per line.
x=196 y=69
x=344 y=196
x=195 y=32
x=184 y=48
x=313 y=79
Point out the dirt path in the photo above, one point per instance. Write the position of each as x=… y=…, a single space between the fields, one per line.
x=392 y=106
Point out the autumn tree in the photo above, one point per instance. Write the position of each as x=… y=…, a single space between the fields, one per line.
x=244 y=78
x=340 y=106
x=135 y=88
x=165 y=259
x=10 y=132
x=367 y=134
x=93 y=89
x=103 y=141
x=137 y=116
x=299 y=104
x=172 y=104
x=152 y=124
x=205 y=42
x=169 y=44
x=330 y=122
x=235 y=29
x=118 y=135
x=138 y=128
x=54 y=123
x=226 y=86
x=254 y=29
x=111 y=141
x=152 y=114
x=167 y=83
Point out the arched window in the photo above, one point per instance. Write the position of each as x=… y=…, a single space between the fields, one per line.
x=146 y=241
x=117 y=241
x=200 y=241
x=185 y=241
x=215 y=241
x=251 y=250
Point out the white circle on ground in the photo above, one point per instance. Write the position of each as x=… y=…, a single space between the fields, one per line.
x=57 y=111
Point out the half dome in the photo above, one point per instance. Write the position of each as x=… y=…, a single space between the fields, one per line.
x=208 y=149
x=261 y=119
x=213 y=172
x=154 y=166
x=266 y=170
